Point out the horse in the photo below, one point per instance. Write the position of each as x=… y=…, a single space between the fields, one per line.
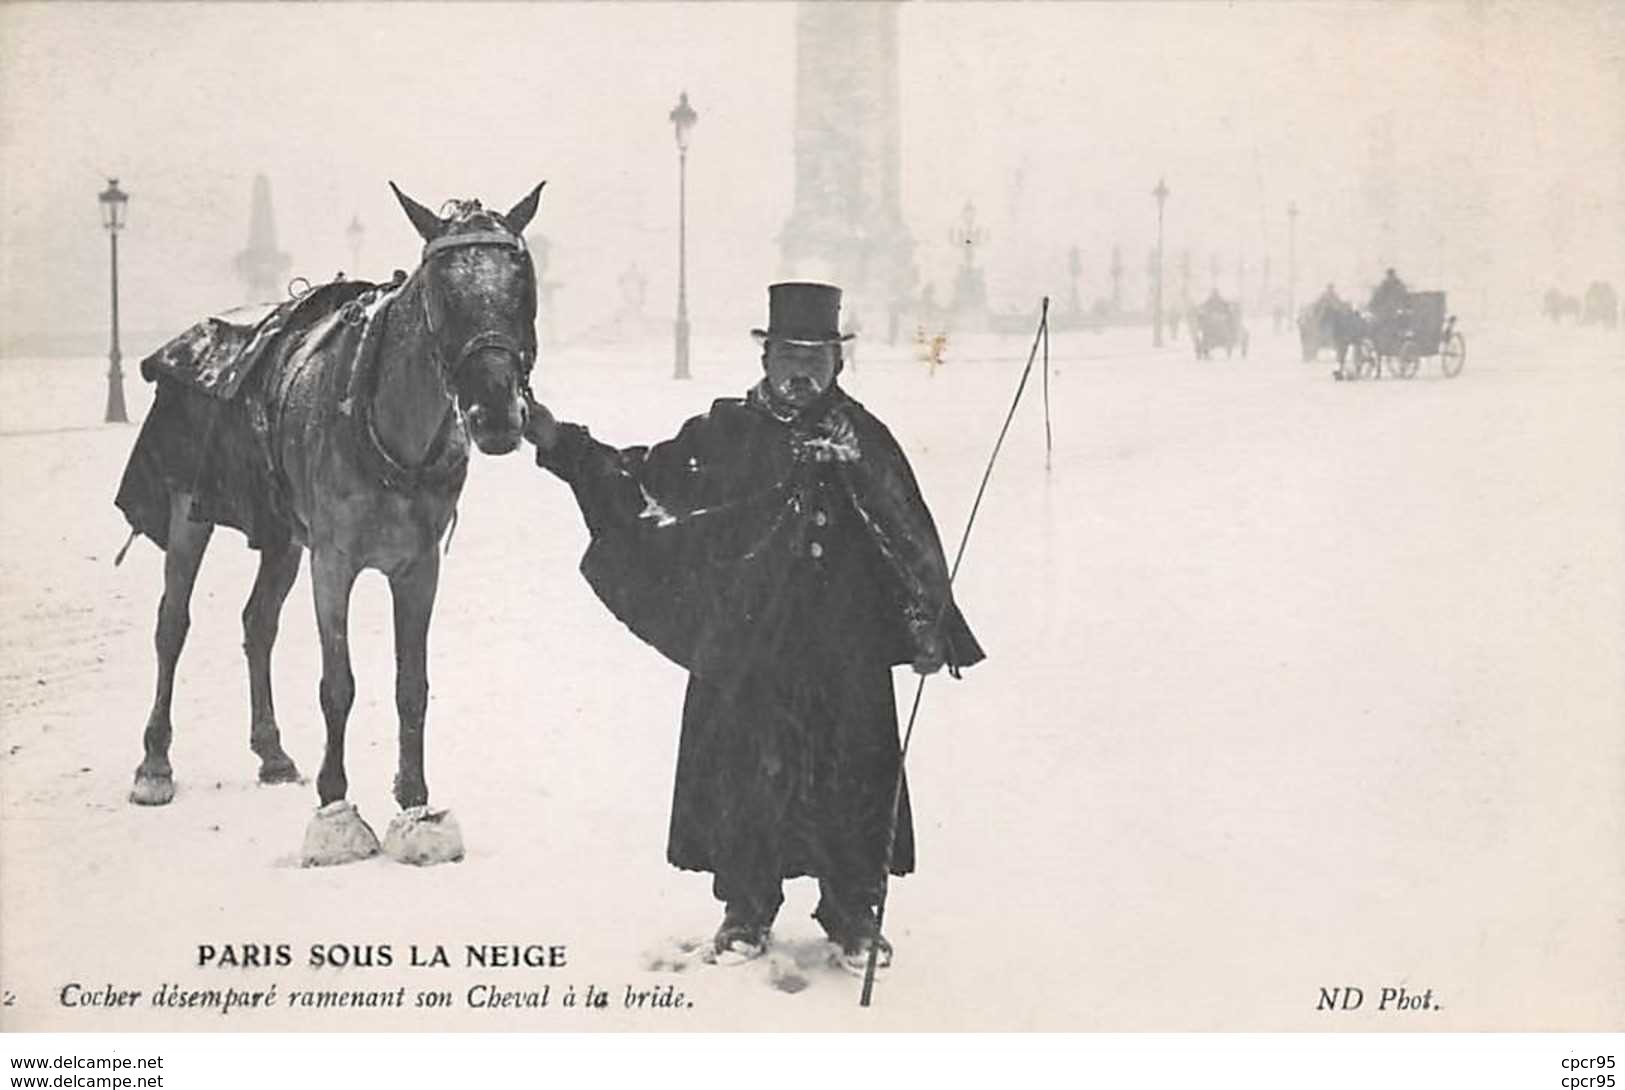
x=363 y=420
x=1314 y=327
x=1330 y=322
x=1601 y=305
x=1557 y=305
x=1347 y=328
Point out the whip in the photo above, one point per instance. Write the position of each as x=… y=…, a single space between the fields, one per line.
x=1041 y=336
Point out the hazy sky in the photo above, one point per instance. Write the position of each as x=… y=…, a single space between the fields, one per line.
x=1499 y=166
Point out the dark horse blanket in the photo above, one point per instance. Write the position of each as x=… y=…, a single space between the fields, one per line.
x=207 y=433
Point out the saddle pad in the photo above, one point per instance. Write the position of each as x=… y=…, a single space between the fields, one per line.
x=216 y=355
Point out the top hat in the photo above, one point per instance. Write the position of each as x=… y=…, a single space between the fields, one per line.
x=803 y=313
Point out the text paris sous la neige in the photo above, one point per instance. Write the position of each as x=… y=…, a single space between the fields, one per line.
x=383 y=955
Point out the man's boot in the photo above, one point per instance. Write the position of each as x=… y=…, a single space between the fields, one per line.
x=847 y=916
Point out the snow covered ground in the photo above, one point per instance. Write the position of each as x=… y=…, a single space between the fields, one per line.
x=1292 y=685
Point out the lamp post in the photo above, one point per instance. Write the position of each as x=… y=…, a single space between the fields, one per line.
x=1161 y=193
x=1292 y=260
x=354 y=234
x=113 y=200
x=682 y=118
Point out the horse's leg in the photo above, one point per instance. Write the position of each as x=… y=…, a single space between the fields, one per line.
x=413 y=591
x=154 y=779
x=278 y=569
x=417 y=835
x=334 y=577
x=336 y=834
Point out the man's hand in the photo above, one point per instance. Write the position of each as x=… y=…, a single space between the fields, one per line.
x=540 y=427
x=930 y=652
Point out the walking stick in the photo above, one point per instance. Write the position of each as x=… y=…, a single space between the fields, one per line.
x=919 y=690
x=1049 y=443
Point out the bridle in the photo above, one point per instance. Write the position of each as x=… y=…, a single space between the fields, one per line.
x=525 y=353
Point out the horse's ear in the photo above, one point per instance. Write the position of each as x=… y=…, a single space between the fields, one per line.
x=519 y=216
x=429 y=225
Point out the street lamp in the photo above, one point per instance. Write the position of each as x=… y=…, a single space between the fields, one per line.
x=113 y=200
x=1161 y=193
x=1292 y=260
x=354 y=234
x=682 y=118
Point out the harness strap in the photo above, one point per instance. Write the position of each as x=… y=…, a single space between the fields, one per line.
x=474 y=238
x=444 y=459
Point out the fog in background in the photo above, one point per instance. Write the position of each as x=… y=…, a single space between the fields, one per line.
x=1479 y=147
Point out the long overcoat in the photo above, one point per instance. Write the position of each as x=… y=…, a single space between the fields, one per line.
x=787 y=566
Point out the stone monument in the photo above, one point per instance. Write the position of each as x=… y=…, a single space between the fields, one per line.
x=846 y=222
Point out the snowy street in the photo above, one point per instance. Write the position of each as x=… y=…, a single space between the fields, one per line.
x=1292 y=685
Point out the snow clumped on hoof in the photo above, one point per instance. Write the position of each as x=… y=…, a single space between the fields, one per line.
x=151 y=790
x=423 y=837
x=337 y=835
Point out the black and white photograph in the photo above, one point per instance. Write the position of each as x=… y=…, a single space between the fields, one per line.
x=812 y=516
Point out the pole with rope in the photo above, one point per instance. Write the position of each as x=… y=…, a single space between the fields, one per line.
x=1042 y=335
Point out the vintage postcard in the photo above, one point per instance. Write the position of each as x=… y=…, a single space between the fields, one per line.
x=812 y=516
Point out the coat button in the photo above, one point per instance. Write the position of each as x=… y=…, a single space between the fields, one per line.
x=816 y=550
x=820 y=518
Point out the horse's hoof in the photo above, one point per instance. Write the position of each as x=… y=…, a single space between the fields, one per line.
x=279 y=770
x=150 y=790
x=337 y=835
x=423 y=837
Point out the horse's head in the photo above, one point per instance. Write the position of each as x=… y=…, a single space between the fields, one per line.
x=478 y=290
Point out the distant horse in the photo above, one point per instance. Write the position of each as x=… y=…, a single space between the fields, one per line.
x=1347 y=329
x=362 y=421
x=1601 y=305
x=1314 y=327
x=1557 y=305
x=1330 y=322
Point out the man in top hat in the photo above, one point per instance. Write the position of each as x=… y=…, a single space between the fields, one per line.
x=778 y=549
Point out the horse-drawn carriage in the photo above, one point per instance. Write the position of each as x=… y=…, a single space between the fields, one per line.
x=1398 y=339
x=1216 y=323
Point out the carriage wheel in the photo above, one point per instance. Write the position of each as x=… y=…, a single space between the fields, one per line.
x=1453 y=355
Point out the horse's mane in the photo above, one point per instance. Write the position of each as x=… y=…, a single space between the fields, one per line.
x=469 y=215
